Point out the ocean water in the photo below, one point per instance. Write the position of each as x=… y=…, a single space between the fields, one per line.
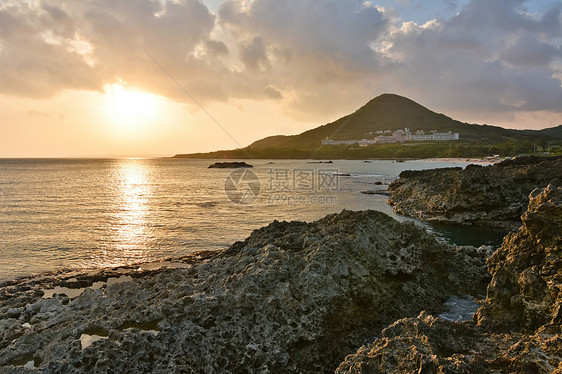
x=91 y=213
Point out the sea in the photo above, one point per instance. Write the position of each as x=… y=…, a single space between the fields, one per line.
x=94 y=213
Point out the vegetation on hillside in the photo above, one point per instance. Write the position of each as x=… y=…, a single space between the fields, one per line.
x=393 y=112
x=395 y=150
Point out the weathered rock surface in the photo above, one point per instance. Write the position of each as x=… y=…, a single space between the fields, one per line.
x=427 y=344
x=293 y=297
x=526 y=286
x=517 y=330
x=494 y=195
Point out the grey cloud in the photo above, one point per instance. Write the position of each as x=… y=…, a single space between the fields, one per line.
x=58 y=20
x=253 y=55
x=318 y=51
x=337 y=29
x=216 y=48
x=272 y=93
x=529 y=51
x=490 y=58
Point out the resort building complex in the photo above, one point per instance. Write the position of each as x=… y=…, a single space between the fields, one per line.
x=397 y=137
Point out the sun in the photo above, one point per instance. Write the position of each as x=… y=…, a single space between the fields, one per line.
x=130 y=107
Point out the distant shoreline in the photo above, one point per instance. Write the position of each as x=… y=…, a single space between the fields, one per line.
x=431 y=159
x=462 y=159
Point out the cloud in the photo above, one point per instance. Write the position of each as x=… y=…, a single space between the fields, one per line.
x=33 y=61
x=252 y=54
x=529 y=52
x=314 y=58
x=316 y=53
x=40 y=56
x=272 y=93
x=216 y=48
x=492 y=57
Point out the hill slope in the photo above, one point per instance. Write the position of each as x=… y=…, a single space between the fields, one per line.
x=385 y=112
x=552 y=132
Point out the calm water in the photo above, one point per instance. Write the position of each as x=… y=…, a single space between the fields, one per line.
x=98 y=213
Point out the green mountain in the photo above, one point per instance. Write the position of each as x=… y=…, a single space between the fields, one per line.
x=387 y=112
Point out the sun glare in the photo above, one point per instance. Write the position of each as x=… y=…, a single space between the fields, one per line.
x=130 y=108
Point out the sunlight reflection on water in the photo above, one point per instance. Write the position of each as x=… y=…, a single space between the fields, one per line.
x=130 y=237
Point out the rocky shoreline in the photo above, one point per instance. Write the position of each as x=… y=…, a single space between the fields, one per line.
x=292 y=297
x=495 y=195
x=355 y=292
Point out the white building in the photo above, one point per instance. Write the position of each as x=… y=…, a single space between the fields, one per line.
x=339 y=142
x=397 y=136
x=420 y=137
x=385 y=139
x=445 y=136
x=364 y=142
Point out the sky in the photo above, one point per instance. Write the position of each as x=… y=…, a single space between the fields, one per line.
x=130 y=78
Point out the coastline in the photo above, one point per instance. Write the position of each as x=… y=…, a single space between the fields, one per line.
x=295 y=296
x=292 y=296
x=293 y=277
x=463 y=160
x=113 y=212
x=395 y=159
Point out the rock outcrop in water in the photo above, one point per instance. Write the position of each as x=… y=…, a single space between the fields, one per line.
x=494 y=195
x=517 y=330
x=229 y=165
x=292 y=297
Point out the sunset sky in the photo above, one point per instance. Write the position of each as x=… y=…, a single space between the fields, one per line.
x=103 y=77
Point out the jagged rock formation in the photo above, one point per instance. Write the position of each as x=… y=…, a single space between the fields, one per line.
x=526 y=286
x=494 y=195
x=517 y=330
x=292 y=297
